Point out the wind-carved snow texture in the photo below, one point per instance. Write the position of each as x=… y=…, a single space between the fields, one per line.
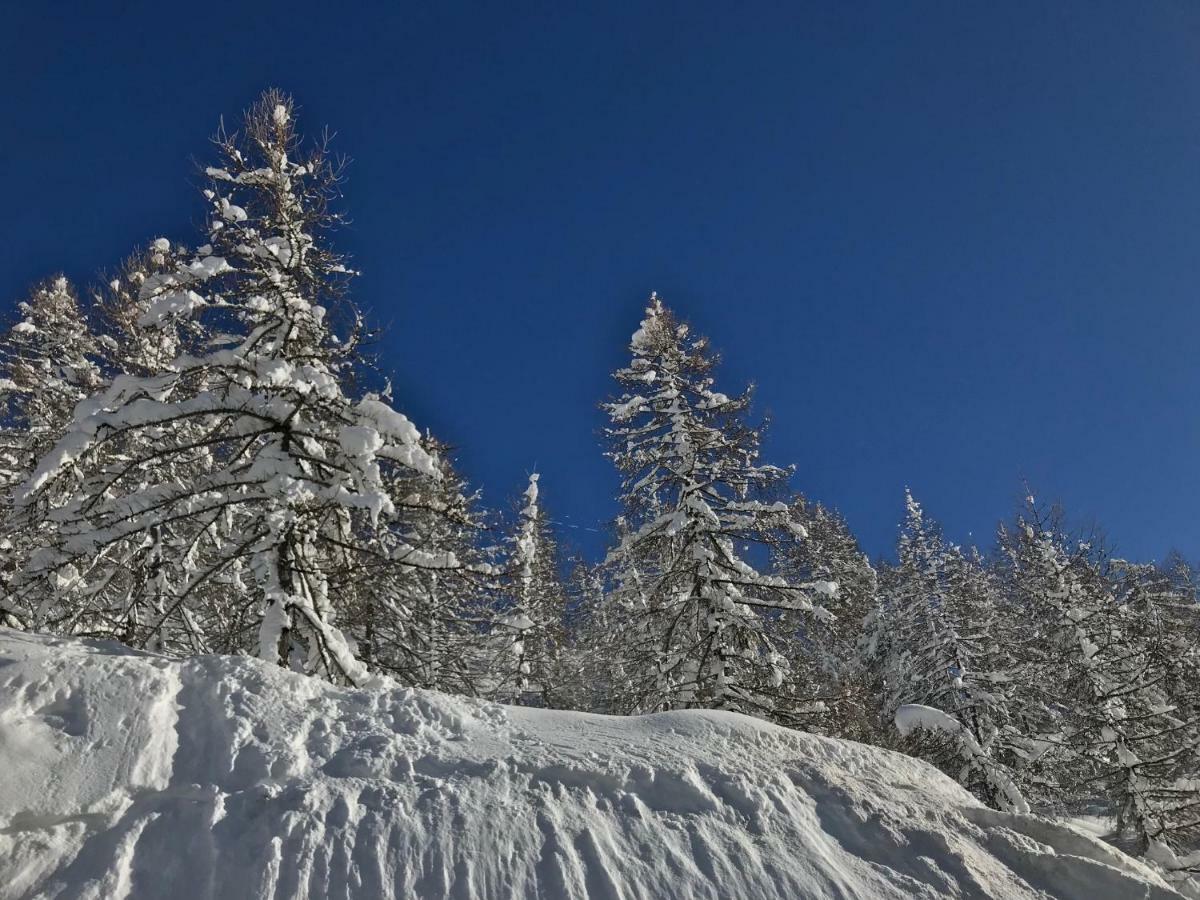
x=124 y=774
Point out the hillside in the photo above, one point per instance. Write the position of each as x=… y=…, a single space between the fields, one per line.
x=124 y=774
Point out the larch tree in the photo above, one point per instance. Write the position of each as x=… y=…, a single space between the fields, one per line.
x=1160 y=702
x=696 y=623
x=132 y=341
x=529 y=629
x=49 y=360
x=1116 y=684
x=1057 y=591
x=818 y=546
x=937 y=613
x=587 y=659
x=421 y=605
x=922 y=653
x=48 y=365
x=288 y=469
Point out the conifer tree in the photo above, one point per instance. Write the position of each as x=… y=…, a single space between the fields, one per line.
x=923 y=653
x=48 y=365
x=1115 y=684
x=1160 y=701
x=588 y=657
x=819 y=547
x=49 y=362
x=420 y=614
x=939 y=612
x=696 y=631
x=290 y=469
x=529 y=630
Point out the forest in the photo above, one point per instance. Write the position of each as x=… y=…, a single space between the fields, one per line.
x=201 y=456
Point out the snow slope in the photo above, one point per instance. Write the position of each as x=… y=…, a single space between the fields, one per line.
x=129 y=775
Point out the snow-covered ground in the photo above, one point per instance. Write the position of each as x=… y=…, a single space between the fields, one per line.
x=130 y=775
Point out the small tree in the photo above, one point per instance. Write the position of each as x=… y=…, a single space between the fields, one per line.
x=529 y=629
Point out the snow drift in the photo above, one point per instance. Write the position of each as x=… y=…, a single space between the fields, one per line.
x=124 y=774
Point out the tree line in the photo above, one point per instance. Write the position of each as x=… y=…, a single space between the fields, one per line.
x=201 y=457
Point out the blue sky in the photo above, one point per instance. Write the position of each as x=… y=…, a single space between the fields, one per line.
x=955 y=244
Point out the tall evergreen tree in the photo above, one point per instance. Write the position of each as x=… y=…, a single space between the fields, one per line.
x=1160 y=701
x=49 y=360
x=529 y=631
x=589 y=656
x=133 y=342
x=421 y=603
x=290 y=467
x=819 y=547
x=48 y=365
x=939 y=654
x=1112 y=677
x=696 y=632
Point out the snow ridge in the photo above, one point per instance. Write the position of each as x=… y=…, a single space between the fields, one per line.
x=130 y=775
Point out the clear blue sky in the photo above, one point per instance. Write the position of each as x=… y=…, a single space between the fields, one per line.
x=956 y=244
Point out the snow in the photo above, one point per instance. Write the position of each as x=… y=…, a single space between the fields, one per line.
x=627 y=410
x=360 y=440
x=174 y=303
x=531 y=496
x=132 y=775
x=395 y=425
x=912 y=716
x=641 y=338
x=825 y=588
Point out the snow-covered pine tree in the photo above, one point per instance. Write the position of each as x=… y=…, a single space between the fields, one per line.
x=819 y=546
x=122 y=592
x=623 y=580
x=921 y=653
x=421 y=614
x=1181 y=576
x=1107 y=665
x=1048 y=575
x=1161 y=704
x=695 y=618
x=48 y=364
x=528 y=634
x=289 y=481
x=937 y=615
x=586 y=677
x=609 y=595
x=991 y=692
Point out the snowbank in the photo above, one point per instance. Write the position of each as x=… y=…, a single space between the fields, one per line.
x=129 y=775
